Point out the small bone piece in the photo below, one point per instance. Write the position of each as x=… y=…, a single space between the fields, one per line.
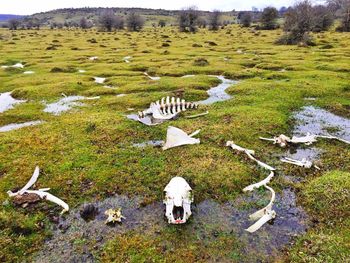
x=178 y=199
x=264 y=215
x=177 y=137
x=114 y=215
x=42 y=193
x=93 y=58
x=303 y=163
x=197 y=115
x=152 y=78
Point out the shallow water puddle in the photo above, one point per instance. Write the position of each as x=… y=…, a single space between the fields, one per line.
x=208 y=217
x=66 y=104
x=16 y=126
x=7 y=102
x=321 y=122
x=153 y=143
x=218 y=93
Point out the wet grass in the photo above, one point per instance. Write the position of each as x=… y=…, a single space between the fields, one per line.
x=87 y=153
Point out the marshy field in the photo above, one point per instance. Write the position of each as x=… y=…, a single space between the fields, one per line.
x=76 y=90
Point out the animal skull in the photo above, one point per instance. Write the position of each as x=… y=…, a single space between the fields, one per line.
x=178 y=199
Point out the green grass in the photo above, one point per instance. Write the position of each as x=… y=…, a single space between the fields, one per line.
x=93 y=143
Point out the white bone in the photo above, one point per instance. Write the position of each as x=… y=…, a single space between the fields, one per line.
x=177 y=137
x=259 y=184
x=152 y=78
x=178 y=193
x=264 y=215
x=250 y=154
x=114 y=216
x=197 y=115
x=282 y=140
x=93 y=58
x=42 y=193
x=303 y=163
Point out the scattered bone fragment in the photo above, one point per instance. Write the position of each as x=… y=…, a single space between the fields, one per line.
x=303 y=163
x=197 y=115
x=308 y=139
x=167 y=108
x=178 y=200
x=93 y=58
x=99 y=80
x=127 y=59
x=81 y=70
x=26 y=194
x=17 y=65
x=177 y=137
x=150 y=77
x=114 y=216
x=266 y=214
x=28 y=72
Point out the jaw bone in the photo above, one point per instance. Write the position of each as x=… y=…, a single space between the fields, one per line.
x=167 y=108
x=177 y=137
x=178 y=199
x=266 y=214
x=308 y=139
x=42 y=193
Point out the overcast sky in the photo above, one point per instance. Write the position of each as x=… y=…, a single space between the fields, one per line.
x=27 y=7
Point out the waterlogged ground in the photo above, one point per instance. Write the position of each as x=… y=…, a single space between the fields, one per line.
x=91 y=152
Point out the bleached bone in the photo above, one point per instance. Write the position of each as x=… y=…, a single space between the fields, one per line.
x=127 y=59
x=177 y=137
x=282 y=140
x=152 y=78
x=303 y=163
x=93 y=58
x=167 y=108
x=250 y=154
x=17 y=65
x=114 y=215
x=264 y=215
x=308 y=139
x=178 y=199
x=197 y=115
x=42 y=193
x=259 y=184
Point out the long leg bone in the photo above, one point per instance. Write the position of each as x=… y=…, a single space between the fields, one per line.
x=42 y=193
x=266 y=214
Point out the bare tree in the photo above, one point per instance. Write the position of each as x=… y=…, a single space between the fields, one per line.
x=342 y=11
x=322 y=18
x=107 y=20
x=134 y=22
x=268 y=18
x=202 y=22
x=188 y=19
x=214 y=20
x=298 y=24
x=119 y=22
x=245 y=18
x=14 y=24
x=83 y=23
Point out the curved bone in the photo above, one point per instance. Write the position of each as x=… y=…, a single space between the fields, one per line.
x=250 y=154
x=167 y=108
x=264 y=215
x=42 y=193
x=177 y=137
x=259 y=184
x=197 y=115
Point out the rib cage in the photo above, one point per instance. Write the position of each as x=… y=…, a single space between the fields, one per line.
x=167 y=108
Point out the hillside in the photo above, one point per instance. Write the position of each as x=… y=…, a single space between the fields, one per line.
x=152 y=16
x=6 y=17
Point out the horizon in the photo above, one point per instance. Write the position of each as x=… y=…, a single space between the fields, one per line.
x=24 y=8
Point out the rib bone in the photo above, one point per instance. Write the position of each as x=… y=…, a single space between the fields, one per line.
x=42 y=193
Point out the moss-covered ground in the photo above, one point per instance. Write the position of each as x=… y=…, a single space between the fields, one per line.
x=87 y=154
